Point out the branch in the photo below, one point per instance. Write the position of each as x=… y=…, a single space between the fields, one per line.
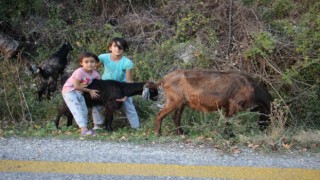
x=230 y=26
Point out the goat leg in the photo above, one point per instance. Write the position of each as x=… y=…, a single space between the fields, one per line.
x=264 y=120
x=69 y=121
x=52 y=88
x=109 y=119
x=40 y=92
x=168 y=108
x=177 y=120
x=69 y=118
x=48 y=94
x=57 y=121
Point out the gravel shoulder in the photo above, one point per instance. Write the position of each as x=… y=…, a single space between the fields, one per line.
x=50 y=149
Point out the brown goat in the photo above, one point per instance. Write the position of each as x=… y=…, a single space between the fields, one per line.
x=8 y=46
x=209 y=91
x=11 y=48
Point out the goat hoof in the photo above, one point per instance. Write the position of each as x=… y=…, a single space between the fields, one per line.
x=109 y=129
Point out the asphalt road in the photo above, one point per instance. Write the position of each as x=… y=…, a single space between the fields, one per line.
x=23 y=158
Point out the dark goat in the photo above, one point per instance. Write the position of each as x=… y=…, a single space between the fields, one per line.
x=11 y=48
x=109 y=91
x=8 y=46
x=209 y=91
x=50 y=69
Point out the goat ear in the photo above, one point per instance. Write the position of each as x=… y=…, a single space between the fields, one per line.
x=154 y=85
x=68 y=44
x=147 y=84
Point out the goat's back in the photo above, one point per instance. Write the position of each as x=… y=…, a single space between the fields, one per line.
x=208 y=90
x=57 y=62
x=62 y=53
x=109 y=91
x=52 y=66
x=8 y=46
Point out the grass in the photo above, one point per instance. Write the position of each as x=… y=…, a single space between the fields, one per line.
x=202 y=129
x=22 y=115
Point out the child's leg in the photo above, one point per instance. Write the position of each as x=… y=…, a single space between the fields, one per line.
x=131 y=113
x=76 y=104
x=97 y=116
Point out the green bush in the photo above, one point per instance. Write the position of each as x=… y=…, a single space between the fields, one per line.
x=19 y=8
x=15 y=109
x=188 y=26
x=263 y=45
x=281 y=8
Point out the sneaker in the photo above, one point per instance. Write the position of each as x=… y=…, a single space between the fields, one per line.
x=88 y=133
x=97 y=127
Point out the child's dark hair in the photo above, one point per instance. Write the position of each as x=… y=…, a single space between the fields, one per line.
x=88 y=54
x=120 y=42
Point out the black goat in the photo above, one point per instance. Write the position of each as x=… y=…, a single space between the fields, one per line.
x=109 y=91
x=50 y=69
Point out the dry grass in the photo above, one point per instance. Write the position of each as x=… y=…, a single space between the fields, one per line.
x=278 y=119
x=13 y=87
x=305 y=137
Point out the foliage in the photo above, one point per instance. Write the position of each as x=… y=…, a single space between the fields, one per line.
x=296 y=26
x=263 y=45
x=281 y=8
x=188 y=26
x=18 y=8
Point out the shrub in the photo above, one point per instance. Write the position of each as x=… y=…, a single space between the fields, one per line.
x=263 y=45
x=188 y=26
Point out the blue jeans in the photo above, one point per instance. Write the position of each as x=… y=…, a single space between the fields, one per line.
x=131 y=113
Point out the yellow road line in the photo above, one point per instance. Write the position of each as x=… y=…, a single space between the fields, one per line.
x=125 y=169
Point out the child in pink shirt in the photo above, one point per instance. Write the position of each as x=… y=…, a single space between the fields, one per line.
x=75 y=86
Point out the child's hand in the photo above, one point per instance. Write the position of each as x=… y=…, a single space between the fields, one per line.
x=84 y=85
x=122 y=99
x=94 y=93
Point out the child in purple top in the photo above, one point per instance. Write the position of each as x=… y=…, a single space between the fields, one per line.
x=76 y=85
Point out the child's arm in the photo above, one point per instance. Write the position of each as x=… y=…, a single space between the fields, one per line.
x=93 y=93
x=129 y=76
x=128 y=80
x=122 y=99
